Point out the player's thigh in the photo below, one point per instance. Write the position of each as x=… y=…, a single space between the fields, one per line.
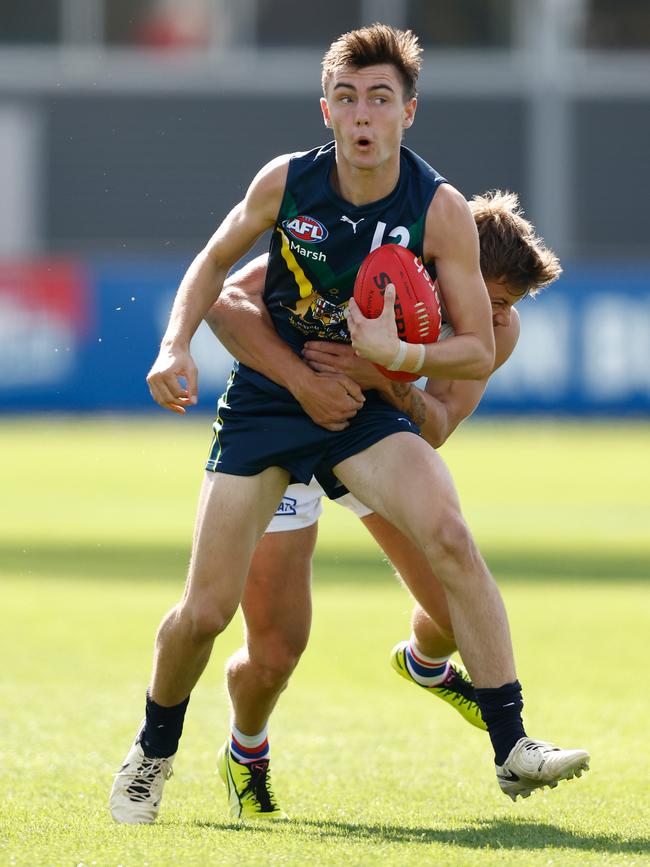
x=405 y=481
x=232 y=515
x=277 y=595
x=412 y=566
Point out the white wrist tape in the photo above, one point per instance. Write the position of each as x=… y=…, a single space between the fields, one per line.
x=420 y=359
x=400 y=355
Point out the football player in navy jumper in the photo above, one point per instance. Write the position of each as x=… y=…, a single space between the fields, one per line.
x=277 y=596
x=266 y=436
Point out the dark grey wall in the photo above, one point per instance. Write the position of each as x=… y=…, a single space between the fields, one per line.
x=477 y=144
x=152 y=173
x=612 y=176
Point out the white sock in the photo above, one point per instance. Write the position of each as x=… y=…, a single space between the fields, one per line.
x=249 y=748
x=425 y=670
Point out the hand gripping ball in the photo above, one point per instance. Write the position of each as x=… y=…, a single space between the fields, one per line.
x=417 y=305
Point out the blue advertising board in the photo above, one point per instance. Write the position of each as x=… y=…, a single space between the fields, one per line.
x=584 y=347
x=78 y=336
x=54 y=358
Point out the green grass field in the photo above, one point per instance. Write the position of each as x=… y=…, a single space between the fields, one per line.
x=94 y=538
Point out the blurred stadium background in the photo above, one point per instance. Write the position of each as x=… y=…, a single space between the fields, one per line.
x=128 y=129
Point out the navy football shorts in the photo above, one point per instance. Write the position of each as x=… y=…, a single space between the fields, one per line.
x=260 y=424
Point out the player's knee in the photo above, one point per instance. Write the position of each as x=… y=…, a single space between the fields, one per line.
x=451 y=541
x=207 y=621
x=278 y=659
x=274 y=674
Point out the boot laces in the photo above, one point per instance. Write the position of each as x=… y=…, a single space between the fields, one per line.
x=145 y=776
x=258 y=786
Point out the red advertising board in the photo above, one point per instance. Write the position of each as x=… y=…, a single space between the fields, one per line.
x=44 y=312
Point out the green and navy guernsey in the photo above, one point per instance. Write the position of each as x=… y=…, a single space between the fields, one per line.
x=319 y=242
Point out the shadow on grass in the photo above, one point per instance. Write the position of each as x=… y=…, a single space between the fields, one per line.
x=169 y=562
x=487 y=834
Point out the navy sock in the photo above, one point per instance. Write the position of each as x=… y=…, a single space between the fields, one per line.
x=501 y=711
x=163 y=727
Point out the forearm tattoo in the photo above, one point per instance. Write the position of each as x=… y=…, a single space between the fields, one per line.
x=411 y=401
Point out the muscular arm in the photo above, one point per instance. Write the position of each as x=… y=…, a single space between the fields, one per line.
x=203 y=282
x=451 y=239
x=242 y=323
x=444 y=404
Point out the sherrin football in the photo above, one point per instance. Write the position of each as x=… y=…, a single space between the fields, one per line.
x=417 y=306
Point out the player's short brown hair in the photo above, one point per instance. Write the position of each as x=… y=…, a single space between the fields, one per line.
x=372 y=45
x=510 y=248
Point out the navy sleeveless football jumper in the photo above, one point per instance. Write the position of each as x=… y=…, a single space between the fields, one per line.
x=318 y=243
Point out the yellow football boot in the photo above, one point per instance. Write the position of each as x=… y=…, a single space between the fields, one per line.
x=457 y=690
x=250 y=795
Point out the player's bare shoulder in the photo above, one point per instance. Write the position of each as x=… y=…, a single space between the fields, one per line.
x=267 y=187
x=449 y=222
x=251 y=216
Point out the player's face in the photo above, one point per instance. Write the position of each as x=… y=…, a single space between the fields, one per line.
x=503 y=299
x=365 y=108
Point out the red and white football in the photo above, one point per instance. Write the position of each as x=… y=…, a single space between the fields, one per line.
x=417 y=306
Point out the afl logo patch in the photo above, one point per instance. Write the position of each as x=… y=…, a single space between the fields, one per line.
x=306 y=229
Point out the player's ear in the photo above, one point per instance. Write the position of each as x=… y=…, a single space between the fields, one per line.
x=326 y=112
x=409 y=112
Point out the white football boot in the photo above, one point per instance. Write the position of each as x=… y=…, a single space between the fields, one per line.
x=535 y=764
x=137 y=791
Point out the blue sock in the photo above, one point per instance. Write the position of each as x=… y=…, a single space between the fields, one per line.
x=501 y=711
x=163 y=727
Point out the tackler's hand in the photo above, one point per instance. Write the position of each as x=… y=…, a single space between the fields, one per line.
x=329 y=399
x=326 y=357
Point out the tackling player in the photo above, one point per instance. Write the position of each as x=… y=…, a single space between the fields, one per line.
x=277 y=598
x=264 y=437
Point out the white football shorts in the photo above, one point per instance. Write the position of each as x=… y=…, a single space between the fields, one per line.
x=301 y=507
